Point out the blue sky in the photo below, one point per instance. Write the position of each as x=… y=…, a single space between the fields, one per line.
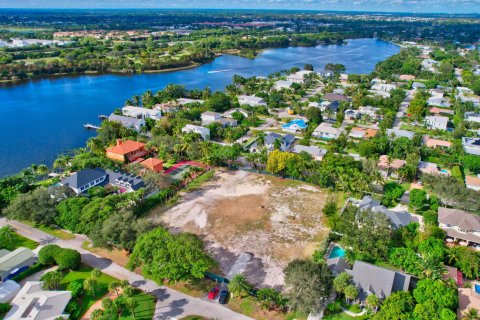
x=447 y=6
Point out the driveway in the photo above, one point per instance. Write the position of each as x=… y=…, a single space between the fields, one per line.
x=170 y=303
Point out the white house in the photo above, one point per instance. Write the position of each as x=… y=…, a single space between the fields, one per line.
x=204 y=132
x=314 y=151
x=251 y=101
x=368 y=111
x=209 y=117
x=128 y=122
x=439 y=102
x=471 y=145
x=436 y=122
x=229 y=113
x=464 y=90
x=298 y=77
x=141 y=113
x=185 y=101
x=282 y=84
x=326 y=131
x=384 y=87
x=32 y=302
x=472 y=116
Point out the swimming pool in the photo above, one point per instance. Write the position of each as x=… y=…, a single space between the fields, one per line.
x=477 y=288
x=338 y=252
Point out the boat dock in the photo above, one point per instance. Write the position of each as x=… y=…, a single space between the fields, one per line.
x=90 y=126
x=102 y=117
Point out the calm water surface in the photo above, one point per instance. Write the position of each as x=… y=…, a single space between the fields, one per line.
x=43 y=118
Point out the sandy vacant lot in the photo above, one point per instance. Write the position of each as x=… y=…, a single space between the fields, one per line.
x=251 y=222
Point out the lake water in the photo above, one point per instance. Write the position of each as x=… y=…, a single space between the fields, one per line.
x=43 y=118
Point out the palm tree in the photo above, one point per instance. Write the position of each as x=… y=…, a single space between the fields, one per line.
x=7 y=234
x=239 y=286
x=372 y=302
x=260 y=138
x=471 y=314
x=51 y=280
x=42 y=170
x=131 y=304
x=113 y=287
x=351 y=293
x=277 y=144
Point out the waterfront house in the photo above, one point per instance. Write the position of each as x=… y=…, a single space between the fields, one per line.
x=314 y=151
x=85 y=179
x=202 y=131
x=397 y=218
x=398 y=133
x=299 y=76
x=295 y=126
x=460 y=225
x=282 y=84
x=436 y=122
x=185 y=101
x=168 y=107
x=327 y=131
x=128 y=122
x=141 y=113
x=251 y=101
x=471 y=145
x=472 y=182
x=153 y=164
x=472 y=116
x=127 y=151
x=15 y=262
x=229 y=113
x=125 y=182
x=370 y=279
x=32 y=302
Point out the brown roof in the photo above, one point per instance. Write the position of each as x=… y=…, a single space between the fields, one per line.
x=433 y=143
x=472 y=181
x=441 y=110
x=459 y=218
x=394 y=164
x=152 y=163
x=126 y=147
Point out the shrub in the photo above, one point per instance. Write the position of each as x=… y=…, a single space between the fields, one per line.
x=68 y=259
x=47 y=254
x=76 y=287
x=4 y=308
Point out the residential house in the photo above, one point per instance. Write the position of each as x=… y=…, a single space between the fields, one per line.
x=351 y=114
x=398 y=133
x=472 y=116
x=471 y=145
x=434 y=143
x=430 y=65
x=85 y=179
x=425 y=167
x=464 y=91
x=384 y=87
x=314 y=151
x=202 y=131
x=166 y=107
x=32 y=302
x=298 y=77
x=283 y=84
x=438 y=111
x=127 y=151
x=369 y=111
x=141 y=113
x=295 y=126
x=330 y=109
x=8 y=290
x=153 y=164
x=229 y=113
x=418 y=85
x=285 y=142
x=437 y=93
x=362 y=133
x=397 y=218
x=185 y=101
x=389 y=167
x=439 y=102
x=335 y=97
x=406 y=77
x=209 y=117
x=370 y=279
x=15 y=262
x=251 y=101
x=327 y=131
x=343 y=78
x=472 y=182
x=338 y=265
x=436 y=122
x=460 y=225
x=128 y=122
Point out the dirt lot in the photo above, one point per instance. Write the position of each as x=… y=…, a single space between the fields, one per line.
x=237 y=212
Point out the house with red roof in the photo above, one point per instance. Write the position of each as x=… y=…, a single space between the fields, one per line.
x=127 y=151
x=153 y=164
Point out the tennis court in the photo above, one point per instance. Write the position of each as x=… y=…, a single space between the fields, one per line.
x=178 y=170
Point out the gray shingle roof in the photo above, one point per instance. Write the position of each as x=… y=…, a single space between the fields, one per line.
x=459 y=218
x=82 y=177
x=397 y=219
x=126 y=121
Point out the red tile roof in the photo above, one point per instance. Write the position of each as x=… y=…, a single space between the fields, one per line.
x=126 y=147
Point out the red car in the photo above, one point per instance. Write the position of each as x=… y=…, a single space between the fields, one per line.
x=213 y=293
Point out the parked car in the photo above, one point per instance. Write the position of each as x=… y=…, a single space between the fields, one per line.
x=213 y=293
x=223 y=297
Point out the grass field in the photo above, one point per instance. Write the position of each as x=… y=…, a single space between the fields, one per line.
x=56 y=232
x=19 y=241
x=86 y=300
x=145 y=307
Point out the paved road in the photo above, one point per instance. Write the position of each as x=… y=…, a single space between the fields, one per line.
x=171 y=304
x=403 y=109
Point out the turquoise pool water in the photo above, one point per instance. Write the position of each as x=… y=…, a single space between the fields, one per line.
x=477 y=288
x=337 y=252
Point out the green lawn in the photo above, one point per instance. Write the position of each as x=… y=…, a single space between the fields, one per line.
x=19 y=241
x=145 y=307
x=86 y=300
x=344 y=316
x=56 y=232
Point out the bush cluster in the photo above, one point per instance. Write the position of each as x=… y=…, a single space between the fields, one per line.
x=66 y=259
